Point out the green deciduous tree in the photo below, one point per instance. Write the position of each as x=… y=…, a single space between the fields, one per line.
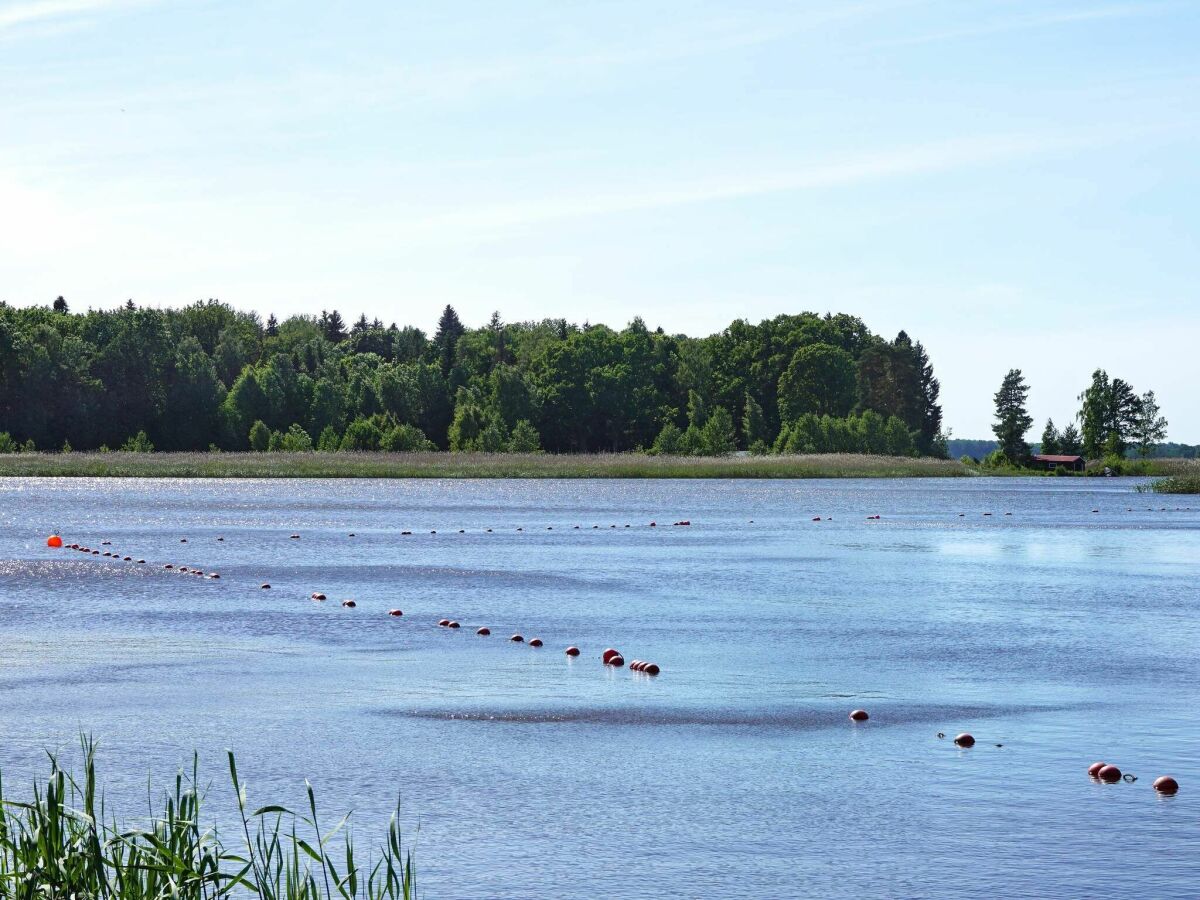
x=1149 y=427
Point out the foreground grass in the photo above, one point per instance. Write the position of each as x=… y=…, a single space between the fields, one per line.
x=62 y=844
x=468 y=465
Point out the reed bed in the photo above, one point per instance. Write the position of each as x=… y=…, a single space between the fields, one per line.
x=1177 y=484
x=469 y=465
x=62 y=843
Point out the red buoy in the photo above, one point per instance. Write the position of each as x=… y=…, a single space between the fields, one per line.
x=168 y=566
x=1166 y=785
x=54 y=541
x=1094 y=768
x=635 y=666
x=485 y=631
x=317 y=595
x=349 y=604
x=395 y=613
x=444 y=622
x=214 y=575
x=264 y=586
x=535 y=642
x=617 y=660
x=517 y=639
x=452 y=624
x=572 y=651
x=609 y=654
x=859 y=715
x=1109 y=774
x=966 y=740
x=651 y=668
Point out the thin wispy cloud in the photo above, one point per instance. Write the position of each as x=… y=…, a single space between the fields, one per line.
x=1037 y=20
x=926 y=159
x=31 y=12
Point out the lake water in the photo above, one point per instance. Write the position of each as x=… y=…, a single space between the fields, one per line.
x=1067 y=632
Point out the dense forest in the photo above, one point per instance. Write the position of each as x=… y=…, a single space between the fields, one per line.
x=210 y=377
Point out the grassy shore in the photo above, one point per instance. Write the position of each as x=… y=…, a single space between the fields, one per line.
x=467 y=465
x=63 y=842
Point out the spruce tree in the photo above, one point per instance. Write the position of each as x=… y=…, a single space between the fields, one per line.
x=445 y=340
x=1012 y=419
x=1051 y=440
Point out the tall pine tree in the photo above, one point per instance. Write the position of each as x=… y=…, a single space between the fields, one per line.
x=1012 y=419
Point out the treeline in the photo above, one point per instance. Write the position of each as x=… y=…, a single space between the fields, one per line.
x=1114 y=422
x=210 y=377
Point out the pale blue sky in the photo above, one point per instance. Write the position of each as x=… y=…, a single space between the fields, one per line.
x=1014 y=182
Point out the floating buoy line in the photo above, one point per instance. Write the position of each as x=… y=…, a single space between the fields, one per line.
x=1102 y=772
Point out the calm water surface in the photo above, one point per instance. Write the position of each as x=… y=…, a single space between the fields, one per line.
x=1062 y=633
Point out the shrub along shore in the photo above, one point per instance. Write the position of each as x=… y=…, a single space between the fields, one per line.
x=469 y=465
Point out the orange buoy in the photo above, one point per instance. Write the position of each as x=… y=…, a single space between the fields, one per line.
x=572 y=651
x=396 y=613
x=535 y=642
x=484 y=631
x=264 y=586
x=1166 y=785
x=966 y=740
x=1109 y=774
x=349 y=604
x=616 y=661
x=859 y=715
x=651 y=668
x=443 y=622
x=452 y=624
x=54 y=541
x=1094 y=768
x=516 y=639
x=609 y=654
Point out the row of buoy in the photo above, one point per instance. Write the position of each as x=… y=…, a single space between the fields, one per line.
x=610 y=657
x=1100 y=771
x=82 y=549
x=1110 y=774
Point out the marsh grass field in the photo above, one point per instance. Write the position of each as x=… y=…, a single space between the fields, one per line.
x=469 y=465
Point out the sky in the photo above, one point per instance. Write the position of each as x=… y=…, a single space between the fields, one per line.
x=1012 y=182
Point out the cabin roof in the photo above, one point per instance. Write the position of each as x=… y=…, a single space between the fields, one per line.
x=1056 y=458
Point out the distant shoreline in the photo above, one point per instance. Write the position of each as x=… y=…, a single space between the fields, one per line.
x=469 y=465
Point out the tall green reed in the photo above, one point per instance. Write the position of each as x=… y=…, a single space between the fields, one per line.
x=62 y=843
